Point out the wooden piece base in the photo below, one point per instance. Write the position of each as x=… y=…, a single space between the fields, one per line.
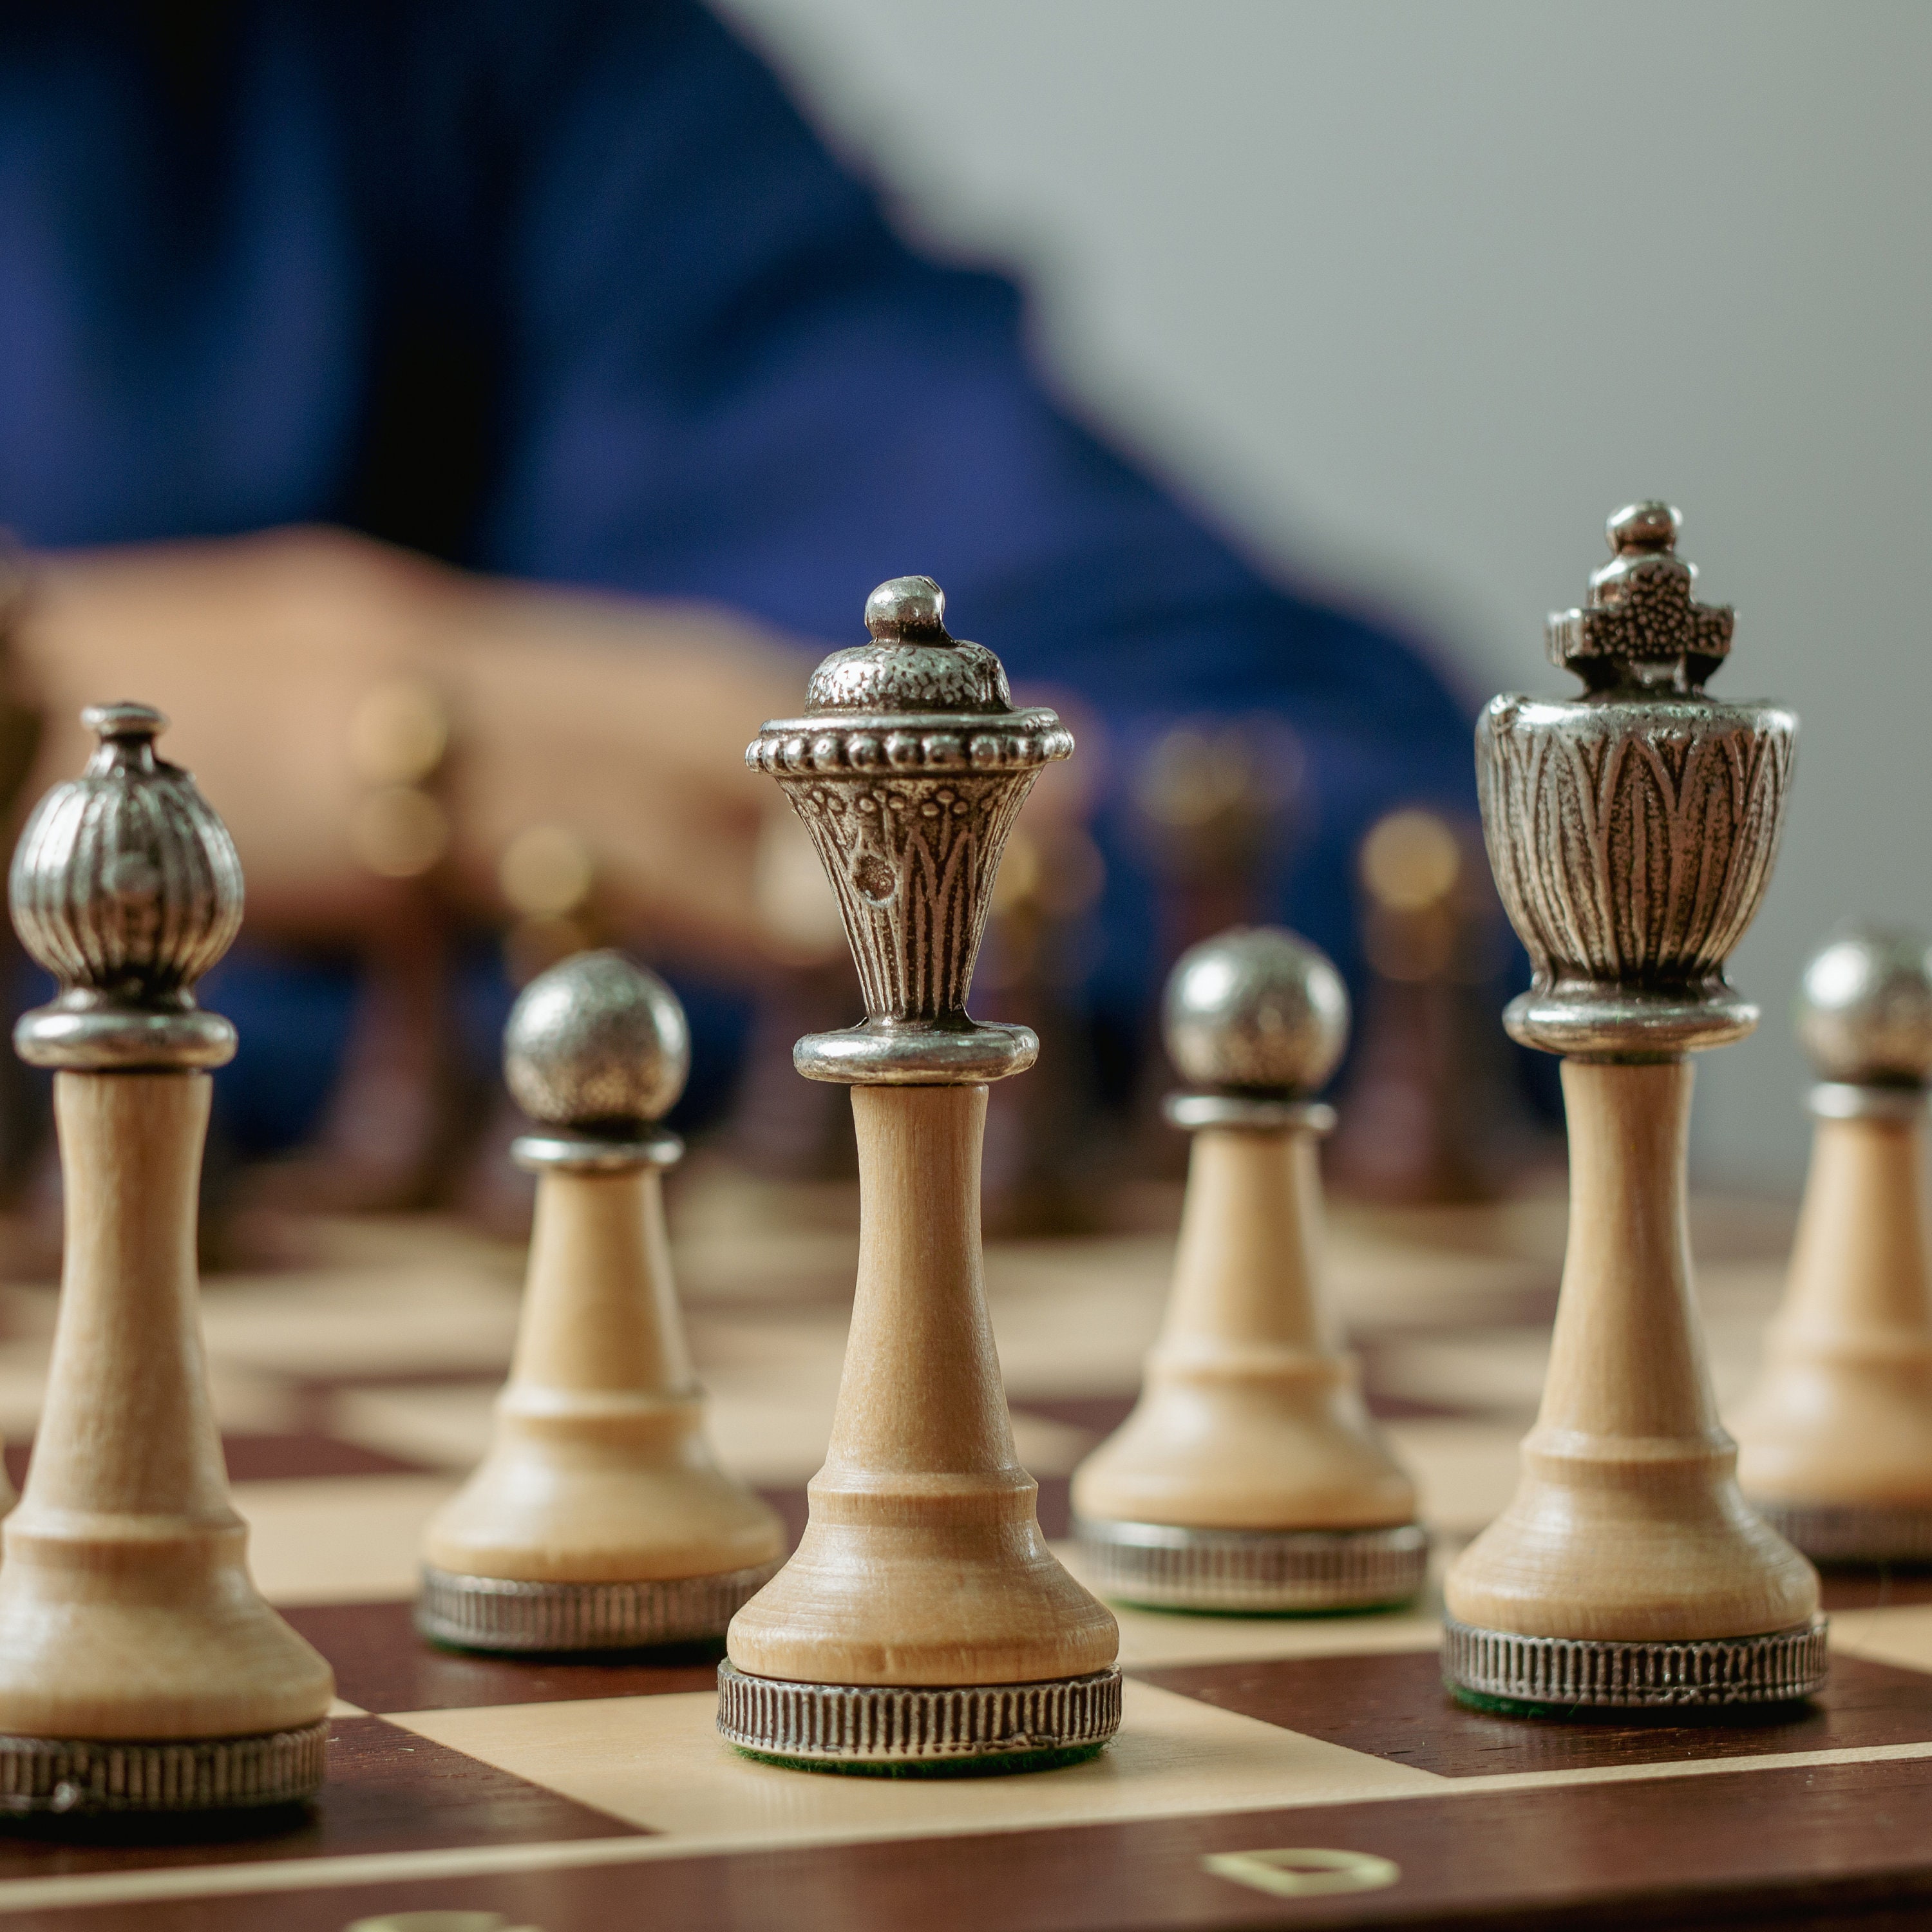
x=1032 y=1726
x=922 y=1564
x=1628 y=1527
x=87 y=1777
x=1838 y=1435
x=1255 y=1572
x=1851 y=1532
x=1549 y=1676
x=489 y=1613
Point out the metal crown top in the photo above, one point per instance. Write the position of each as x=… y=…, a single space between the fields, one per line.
x=1641 y=625
x=596 y=1046
x=1864 y=1008
x=1257 y=1009
x=913 y=663
x=125 y=886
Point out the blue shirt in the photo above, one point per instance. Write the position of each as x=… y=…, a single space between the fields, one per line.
x=571 y=292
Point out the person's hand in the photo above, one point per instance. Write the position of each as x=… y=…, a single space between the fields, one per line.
x=620 y=721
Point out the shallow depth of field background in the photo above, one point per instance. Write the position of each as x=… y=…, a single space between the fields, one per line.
x=1412 y=295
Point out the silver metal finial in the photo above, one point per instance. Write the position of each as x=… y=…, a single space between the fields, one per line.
x=1865 y=1010
x=1258 y=1017
x=1641 y=624
x=1257 y=1009
x=1632 y=832
x=595 y=1051
x=906 y=607
x=125 y=886
x=908 y=768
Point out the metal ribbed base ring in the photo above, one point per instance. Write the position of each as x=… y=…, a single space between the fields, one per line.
x=890 y=1726
x=82 y=1778
x=1602 y=1672
x=1255 y=1572
x=494 y=1613
x=1853 y=1532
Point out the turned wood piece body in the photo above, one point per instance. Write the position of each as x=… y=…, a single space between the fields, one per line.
x=126 y=1607
x=1628 y=1523
x=1843 y=1412
x=923 y=1562
x=1251 y=1416
x=598 y=1471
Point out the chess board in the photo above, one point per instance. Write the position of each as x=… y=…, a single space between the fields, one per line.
x=1269 y=1771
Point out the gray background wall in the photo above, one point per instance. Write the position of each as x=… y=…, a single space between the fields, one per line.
x=1413 y=295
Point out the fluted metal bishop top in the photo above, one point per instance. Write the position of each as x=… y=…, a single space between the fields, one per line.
x=1632 y=831
x=908 y=768
x=125 y=886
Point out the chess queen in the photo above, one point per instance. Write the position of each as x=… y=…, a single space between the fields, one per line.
x=922 y=1622
x=1632 y=832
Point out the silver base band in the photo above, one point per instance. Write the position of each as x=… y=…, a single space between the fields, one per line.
x=81 y=1777
x=1604 y=1673
x=889 y=1725
x=1853 y=1532
x=1257 y=1571
x=494 y=1613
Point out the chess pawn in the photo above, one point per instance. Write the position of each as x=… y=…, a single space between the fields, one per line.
x=139 y=1669
x=599 y=1519
x=1835 y=1446
x=1250 y=1477
x=922 y=1623
x=1632 y=833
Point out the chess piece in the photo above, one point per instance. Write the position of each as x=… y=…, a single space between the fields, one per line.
x=1249 y=1477
x=598 y=1520
x=1632 y=833
x=1427 y=1115
x=139 y=1670
x=1835 y=1447
x=922 y=1623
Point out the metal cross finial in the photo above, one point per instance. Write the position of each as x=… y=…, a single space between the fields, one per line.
x=1641 y=626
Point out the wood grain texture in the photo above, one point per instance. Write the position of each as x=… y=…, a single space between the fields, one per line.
x=1843 y=1412
x=1848 y=1839
x=126 y=1607
x=1251 y=1415
x=1394 y=1706
x=598 y=1471
x=923 y=1561
x=1628 y=1523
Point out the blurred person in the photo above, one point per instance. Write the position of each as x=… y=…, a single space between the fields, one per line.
x=340 y=341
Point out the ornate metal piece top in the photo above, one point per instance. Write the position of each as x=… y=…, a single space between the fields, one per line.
x=126 y=887
x=1864 y=1009
x=1641 y=625
x=596 y=1050
x=908 y=768
x=1256 y=1012
x=1632 y=831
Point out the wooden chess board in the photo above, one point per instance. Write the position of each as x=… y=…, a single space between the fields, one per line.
x=1284 y=1772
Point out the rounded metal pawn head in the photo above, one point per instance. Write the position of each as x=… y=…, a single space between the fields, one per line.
x=1258 y=1010
x=1864 y=1008
x=596 y=1044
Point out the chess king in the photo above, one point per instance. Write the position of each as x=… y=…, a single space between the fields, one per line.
x=139 y=1669
x=923 y=1623
x=1632 y=832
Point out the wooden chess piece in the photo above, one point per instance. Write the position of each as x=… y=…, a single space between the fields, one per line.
x=1250 y=1477
x=139 y=1670
x=922 y=1622
x=1632 y=833
x=1834 y=1449
x=1425 y=1114
x=599 y=1519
